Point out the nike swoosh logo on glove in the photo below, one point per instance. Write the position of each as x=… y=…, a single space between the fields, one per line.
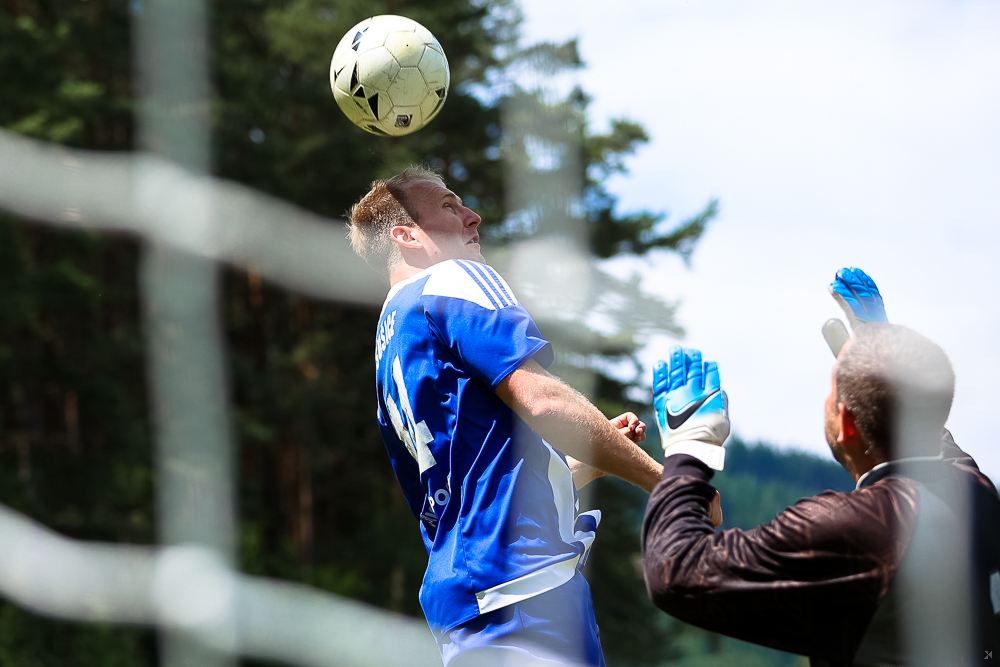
x=676 y=421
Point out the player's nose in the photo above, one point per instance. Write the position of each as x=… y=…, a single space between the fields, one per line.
x=471 y=218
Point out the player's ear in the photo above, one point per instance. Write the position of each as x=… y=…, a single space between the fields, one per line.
x=403 y=236
x=845 y=419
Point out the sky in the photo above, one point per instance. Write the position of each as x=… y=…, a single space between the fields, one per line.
x=848 y=133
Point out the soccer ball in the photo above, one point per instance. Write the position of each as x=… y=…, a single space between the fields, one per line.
x=389 y=75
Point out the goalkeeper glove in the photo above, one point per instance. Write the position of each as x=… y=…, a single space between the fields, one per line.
x=692 y=411
x=858 y=296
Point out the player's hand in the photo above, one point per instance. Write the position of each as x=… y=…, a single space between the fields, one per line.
x=715 y=510
x=858 y=296
x=629 y=425
x=691 y=409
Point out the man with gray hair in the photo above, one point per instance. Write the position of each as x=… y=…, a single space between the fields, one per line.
x=905 y=570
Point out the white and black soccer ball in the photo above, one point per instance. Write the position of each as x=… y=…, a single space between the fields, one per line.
x=389 y=75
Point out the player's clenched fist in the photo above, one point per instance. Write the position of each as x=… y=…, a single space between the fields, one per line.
x=629 y=425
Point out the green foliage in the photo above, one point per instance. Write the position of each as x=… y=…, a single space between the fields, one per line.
x=58 y=82
x=271 y=75
x=318 y=501
x=637 y=233
x=550 y=150
x=633 y=631
x=74 y=444
x=75 y=447
x=27 y=641
x=760 y=481
x=705 y=649
x=555 y=170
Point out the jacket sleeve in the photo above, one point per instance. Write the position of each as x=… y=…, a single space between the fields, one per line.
x=806 y=583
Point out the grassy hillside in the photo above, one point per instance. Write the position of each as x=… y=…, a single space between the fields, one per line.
x=759 y=481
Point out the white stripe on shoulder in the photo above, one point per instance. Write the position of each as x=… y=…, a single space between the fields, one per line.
x=465 y=280
x=487 y=277
x=505 y=289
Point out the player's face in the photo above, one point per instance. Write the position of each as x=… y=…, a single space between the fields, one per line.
x=447 y=229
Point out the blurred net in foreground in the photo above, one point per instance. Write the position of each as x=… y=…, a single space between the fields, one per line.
x=188 y=221
x=189 y=590
x=207 y=613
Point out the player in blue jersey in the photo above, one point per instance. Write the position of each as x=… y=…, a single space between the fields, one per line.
x=488 y=447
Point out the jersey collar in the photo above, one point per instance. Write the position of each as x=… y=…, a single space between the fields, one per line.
x=887 y=469
x=394 y=290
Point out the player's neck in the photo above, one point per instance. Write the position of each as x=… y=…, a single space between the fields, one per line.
x=405 y=270
x=409 y=267
x=860 y=462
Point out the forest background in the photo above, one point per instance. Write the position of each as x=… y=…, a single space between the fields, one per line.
x=317 y=500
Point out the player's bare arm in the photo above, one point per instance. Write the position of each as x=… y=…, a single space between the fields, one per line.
x=571 y=424
x=629 y=425
x=583 y=474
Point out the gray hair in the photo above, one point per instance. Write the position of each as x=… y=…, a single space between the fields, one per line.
x=899 y=386
x=386 y=205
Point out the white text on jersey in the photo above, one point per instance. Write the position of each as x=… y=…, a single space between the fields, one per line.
x=383 y=336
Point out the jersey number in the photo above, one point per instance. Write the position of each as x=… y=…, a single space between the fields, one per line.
x=415 y=436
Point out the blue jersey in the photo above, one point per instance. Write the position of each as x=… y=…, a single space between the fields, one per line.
x=496 y=504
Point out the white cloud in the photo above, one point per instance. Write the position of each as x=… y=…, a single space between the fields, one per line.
x=847 y=133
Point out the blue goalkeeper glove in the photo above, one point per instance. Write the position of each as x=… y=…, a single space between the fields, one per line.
x=858 y=296
x=692 y=411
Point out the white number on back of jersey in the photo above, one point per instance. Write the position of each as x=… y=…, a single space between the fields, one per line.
x=415 y=436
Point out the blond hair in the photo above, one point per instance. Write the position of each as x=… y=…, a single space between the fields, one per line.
x=386 y=205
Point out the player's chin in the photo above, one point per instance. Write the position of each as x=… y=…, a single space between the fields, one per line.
x=474 y=252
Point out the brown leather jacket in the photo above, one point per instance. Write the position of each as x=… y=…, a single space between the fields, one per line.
x=811 y=581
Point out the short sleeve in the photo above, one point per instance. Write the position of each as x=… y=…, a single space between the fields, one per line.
x=481 y=324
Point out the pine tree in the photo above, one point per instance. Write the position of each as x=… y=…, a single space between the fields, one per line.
x=561 y=221
x=318 y=502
